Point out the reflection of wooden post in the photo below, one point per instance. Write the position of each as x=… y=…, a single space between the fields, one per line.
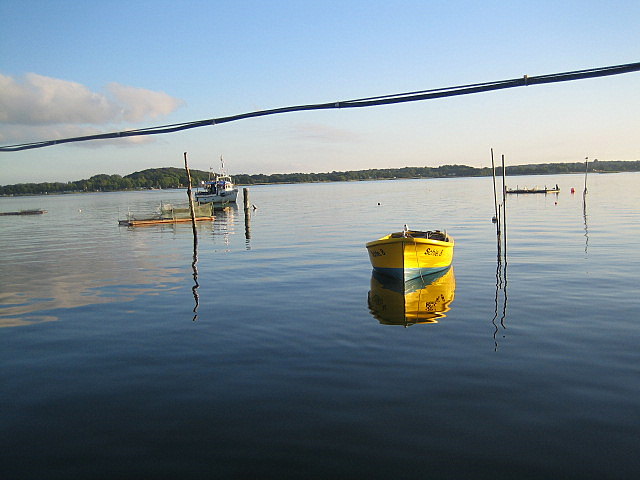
x=196 y=285
x=247 y=214
x=193 y=214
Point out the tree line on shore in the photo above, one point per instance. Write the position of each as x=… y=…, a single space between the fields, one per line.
x=172 y=177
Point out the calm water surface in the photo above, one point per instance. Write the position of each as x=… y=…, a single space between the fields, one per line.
x=116 y=361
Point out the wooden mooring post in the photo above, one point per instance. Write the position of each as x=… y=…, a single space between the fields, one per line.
x=247 y=213
x=193 y=213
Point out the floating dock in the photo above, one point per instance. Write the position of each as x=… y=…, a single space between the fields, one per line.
x=534 y=190
x=37 y=211
x=169 y=213
x=156 y=221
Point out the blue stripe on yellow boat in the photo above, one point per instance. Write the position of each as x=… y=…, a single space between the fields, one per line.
x=411 y=253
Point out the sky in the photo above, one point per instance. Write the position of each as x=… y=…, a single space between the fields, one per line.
x=70 y=68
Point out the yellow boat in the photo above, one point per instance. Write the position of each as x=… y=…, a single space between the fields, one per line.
x=421 y=300
x=411 y=253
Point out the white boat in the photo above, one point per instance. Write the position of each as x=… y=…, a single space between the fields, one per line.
x=219 y=191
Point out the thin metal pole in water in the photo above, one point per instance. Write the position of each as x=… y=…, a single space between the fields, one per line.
x=504 y=209
x=193 y=214
x=586 y=169
x=493 y=168
x=495 y=202
x=584 y=199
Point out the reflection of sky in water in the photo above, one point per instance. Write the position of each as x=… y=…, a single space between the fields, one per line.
x=77 y=255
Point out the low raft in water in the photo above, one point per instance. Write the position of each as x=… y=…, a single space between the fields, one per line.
x=37 y=211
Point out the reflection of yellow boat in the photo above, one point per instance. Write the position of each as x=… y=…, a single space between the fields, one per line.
x=411 y=253
x=421 y=300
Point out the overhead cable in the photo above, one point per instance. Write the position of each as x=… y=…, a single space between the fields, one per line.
x=361 y=102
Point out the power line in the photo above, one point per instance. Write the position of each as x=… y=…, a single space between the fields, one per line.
x=357 y=103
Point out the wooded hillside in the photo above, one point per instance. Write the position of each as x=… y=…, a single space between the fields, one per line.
x=172 y=177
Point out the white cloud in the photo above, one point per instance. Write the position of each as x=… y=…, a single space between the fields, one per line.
x=139 y=104
x=39 y=100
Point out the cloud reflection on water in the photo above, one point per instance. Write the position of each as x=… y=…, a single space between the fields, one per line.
x=67 y=265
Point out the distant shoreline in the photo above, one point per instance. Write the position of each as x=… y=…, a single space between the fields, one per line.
x=165 y=178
